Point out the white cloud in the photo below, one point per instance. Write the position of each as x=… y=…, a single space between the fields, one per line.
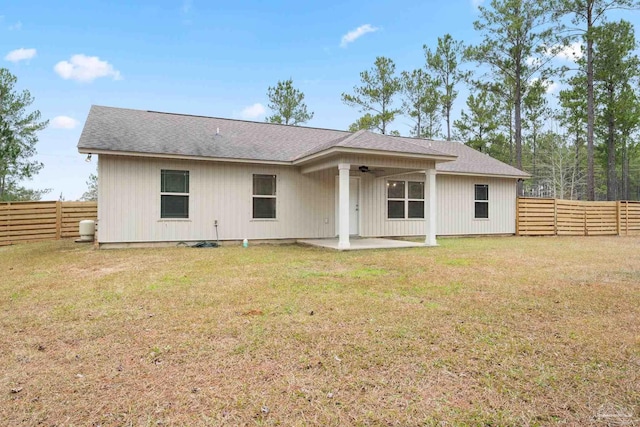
x=552 y=87
x=532 y=62
x=571 y=52
x=63 y=122
x=86 y=69
x=17 y=26
x=353 y=35
x=253 y=111
x=20 y=55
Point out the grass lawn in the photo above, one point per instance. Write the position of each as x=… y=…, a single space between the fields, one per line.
x=482 y=331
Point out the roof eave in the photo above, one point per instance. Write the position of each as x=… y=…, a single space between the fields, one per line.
x=489 y=175
x=85 y=150
x=350 y=150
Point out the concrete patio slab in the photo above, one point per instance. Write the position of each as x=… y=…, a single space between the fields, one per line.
x=359 y=244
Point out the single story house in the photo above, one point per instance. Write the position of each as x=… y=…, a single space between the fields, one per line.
x=167 y=177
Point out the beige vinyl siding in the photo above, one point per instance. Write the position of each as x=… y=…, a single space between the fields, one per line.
x=455 y=207
x=129 y=202
x=374 y=208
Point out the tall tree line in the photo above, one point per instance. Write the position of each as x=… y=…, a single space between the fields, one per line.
x=571 y=121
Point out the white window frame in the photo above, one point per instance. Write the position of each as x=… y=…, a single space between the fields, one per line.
x=264 y=196
x=476 y=201
x=167 y=193
x=405 y=199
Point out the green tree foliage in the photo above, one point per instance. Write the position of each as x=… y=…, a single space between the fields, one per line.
x=585 y=15
x=516 y=46
x=420 y=101
x=628 y=121
x=366 y=122
x=445 y=64
x=17 y=193
x=375 y=97
x=287 y=104
x=478 y=127
x=616 y=70
x=572 y=115
x=536 y=113
x=18 y=138
x=91 y=195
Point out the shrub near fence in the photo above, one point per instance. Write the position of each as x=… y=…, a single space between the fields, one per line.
x=35 y=221
x=550 y=217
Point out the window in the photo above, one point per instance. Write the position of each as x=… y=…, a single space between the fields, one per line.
x=482 y=201
x=405 y=199
x=264 y=196
x=415 y=199
x=395 y=199
x=174 y=194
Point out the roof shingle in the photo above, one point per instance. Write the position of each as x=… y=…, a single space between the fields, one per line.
x=138 y=131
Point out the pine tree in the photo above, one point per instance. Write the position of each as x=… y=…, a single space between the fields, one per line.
x=18 y=139
x=375 y=97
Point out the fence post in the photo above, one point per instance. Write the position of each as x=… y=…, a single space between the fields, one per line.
x=618 y=213
x=626 y=217
x=9 y=221
x=555 y=217
x=517 y=216
x=58 y=220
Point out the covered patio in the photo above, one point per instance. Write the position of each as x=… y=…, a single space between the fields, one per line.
x=357 y=244
x=380 y=158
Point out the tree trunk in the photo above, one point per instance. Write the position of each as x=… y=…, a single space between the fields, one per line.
x=448 y=123
x=591 y=183
x=518 y=123
x=611 y=149
x=533 y=147
x=510 y=135
x=576 y=167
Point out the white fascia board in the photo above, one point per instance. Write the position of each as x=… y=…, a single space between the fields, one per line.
x=180 y=157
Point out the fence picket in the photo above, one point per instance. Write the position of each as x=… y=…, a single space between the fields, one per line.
x=36 y=221
x=543 y=217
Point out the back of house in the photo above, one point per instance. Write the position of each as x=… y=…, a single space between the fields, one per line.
x=170 y=177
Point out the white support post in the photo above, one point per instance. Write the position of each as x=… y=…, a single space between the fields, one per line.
x=343 y=206
x=430 y=208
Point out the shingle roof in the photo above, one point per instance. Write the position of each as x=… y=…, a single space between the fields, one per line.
x=374 y=141
x=149 y=132
x=120 y=129
x=470 y=161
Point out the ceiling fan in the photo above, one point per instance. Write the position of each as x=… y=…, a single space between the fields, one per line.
x=365 y=169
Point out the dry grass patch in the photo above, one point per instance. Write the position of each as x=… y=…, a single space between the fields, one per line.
x=487 y=331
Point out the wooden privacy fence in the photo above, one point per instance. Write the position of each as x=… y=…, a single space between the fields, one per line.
x=34 y=221
x=551 y=217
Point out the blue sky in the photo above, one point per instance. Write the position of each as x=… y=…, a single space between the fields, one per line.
x=204 y=57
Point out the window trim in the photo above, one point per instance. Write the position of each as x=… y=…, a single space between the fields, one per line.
x=484 y=201
x=264 y=196
x=397 y=199
x=187 y=194
x=406 y=200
